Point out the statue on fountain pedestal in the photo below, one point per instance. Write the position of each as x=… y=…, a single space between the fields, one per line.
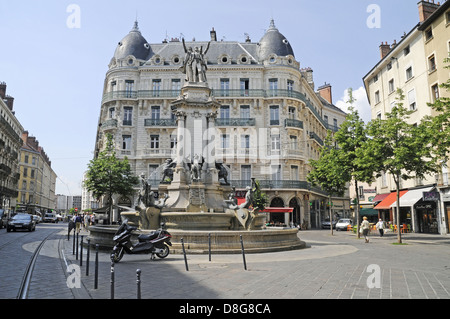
x=148 y=207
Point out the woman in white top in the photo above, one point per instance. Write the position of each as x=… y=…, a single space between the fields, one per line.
x=380 y=227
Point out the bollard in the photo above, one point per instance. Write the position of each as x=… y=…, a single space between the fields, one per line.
x=76 y=252
x=209 y=246
x=243 y=253
x=96 y=267
x=73 y=250
x=81 y=251
x=112 y=276
x=87 y=256
x=184 y=253
x=138 y=282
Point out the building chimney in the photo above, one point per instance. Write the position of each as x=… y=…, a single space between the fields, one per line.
x=325 y=92
x=213 y=35
x=2 y=90
x=426 y=9
x=9 y=100
x=385 y=48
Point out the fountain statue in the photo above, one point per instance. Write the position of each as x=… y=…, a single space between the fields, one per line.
x=195 y=199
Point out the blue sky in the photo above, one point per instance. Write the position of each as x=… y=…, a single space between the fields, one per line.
x=56 y=73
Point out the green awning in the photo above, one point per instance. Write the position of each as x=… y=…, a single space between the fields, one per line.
x=368 y=212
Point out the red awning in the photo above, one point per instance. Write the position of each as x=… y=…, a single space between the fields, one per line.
x=379 y=198
x=389 y=200
x=278 y=210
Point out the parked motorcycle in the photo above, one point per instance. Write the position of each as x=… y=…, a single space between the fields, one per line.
x=156 y=243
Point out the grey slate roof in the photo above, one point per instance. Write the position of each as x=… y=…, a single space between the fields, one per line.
x=133 y=44
x=273 y=42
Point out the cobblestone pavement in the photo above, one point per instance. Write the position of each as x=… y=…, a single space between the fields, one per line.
x=331 y=267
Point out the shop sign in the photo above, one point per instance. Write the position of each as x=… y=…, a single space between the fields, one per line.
x=424 y=206
x=430 y=196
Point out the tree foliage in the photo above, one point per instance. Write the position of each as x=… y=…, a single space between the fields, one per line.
x=108 y=175
x=400 y=148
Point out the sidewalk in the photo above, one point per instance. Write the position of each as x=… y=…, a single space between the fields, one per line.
x=330 y=267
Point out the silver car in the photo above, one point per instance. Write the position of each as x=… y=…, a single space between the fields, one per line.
x=343 y=223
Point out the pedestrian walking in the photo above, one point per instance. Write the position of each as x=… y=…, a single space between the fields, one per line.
x=78 y=223
x=365 y=227
x=380 y=227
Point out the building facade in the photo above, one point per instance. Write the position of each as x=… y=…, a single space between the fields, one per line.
x=416 y=65
x=271 y=120
x=36 y=193
x=10 y=144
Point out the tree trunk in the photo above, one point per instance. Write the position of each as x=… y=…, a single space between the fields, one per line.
x=397 y=214
x=331 y=215
x=357 y=210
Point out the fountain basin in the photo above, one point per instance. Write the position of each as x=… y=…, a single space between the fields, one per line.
x=222 y=242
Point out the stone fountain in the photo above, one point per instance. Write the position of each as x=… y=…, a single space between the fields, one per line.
x=193 y=202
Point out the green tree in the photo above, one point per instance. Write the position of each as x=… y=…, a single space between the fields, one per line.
x=328 y=172
x=351 y=140
x=438 y=125
x=400 y=148
x=108 y=175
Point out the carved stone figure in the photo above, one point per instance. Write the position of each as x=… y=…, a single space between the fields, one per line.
x=168 y=167
x=195 y=167
x=194 y=63
x=223 y=173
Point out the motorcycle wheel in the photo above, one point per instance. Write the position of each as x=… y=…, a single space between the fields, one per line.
x=165 y=253
x=117 y=255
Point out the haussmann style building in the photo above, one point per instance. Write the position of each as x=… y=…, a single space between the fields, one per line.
x=271 y=120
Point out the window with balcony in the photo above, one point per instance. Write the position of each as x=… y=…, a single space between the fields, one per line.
x=274 y=115
x=292 y=112
x=156 y=112
x=225 y=87
x=294 y=173
x=273 y=87
x=176 y=87
x=129 y=88
x=245 y=111
x=246 y=172
x=156 y=87
x=245 y=87
x=290 y=85
x=276 y=172
x=225 y=112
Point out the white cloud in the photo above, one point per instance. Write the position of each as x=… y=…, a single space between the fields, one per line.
x=361 y=104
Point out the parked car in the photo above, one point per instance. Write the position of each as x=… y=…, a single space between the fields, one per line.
x=3 y=218
x=37 y=219
x=343 y=223
x=21 y=221
x=326 y=224
x=50 y=218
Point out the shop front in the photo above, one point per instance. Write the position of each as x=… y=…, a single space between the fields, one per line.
x=427 y=219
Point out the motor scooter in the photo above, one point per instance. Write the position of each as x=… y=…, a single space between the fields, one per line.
x=156 y=243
